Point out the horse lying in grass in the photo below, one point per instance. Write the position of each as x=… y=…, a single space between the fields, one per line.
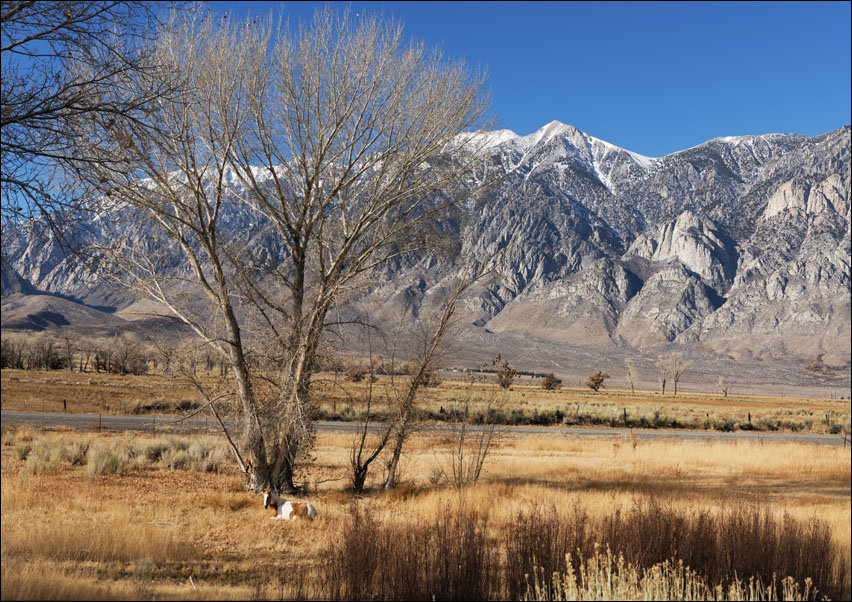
x=285 y=509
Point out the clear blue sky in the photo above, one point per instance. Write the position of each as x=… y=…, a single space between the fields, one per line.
x=650 y=77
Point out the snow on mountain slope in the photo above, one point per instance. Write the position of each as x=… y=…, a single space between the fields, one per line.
x=740 y=244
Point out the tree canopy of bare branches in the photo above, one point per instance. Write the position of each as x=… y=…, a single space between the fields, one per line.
x=506 y=375
x=550 y=382
x=63 y=62
x=337 y=146
x=671 y=365
x=596 y=380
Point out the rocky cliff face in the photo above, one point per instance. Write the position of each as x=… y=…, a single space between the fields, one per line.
x=741 y=245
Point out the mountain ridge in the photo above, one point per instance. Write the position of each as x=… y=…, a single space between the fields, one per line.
x=739 y=244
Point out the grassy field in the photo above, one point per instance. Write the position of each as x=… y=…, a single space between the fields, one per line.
x=93 y=515
x=525 y=403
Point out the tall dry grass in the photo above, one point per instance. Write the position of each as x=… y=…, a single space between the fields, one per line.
x=146 y=530
x=449 y=557
x=738 y=542
x=455 y=556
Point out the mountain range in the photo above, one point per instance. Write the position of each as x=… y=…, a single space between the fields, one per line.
x=739 y=246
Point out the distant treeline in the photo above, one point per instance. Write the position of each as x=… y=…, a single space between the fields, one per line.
x=120 y=354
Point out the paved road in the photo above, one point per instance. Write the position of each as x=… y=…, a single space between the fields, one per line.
x=171 y=424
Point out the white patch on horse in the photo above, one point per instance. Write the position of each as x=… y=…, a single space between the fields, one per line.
x=286 y=509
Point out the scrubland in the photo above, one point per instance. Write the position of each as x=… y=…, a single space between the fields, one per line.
x=551 y=518
x=525 y=403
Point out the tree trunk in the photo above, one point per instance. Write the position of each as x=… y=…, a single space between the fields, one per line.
x=393 y=465
x=359 y=476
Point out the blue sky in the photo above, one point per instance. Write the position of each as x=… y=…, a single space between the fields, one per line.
x=650 y=77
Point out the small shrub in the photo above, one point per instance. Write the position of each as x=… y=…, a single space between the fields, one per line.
x=46 y=456
x=23 y=449
x=101 y=460
x=550 y=382
x=728 y=425
x=187 y=406
x=218 y=458
x=207 y=455
x=178 y=443
x=75 y=453
x=176 y=459
x=153 y=450
x=768 y=424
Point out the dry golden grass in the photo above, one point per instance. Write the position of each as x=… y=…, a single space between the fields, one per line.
x=147 y=531
x=92 y=393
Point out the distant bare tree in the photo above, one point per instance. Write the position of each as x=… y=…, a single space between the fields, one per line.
x=632 y=373
x=12 y=351
x=723 y=386
x=506 y=375
x=679 y=366
x=166 y=352
x=342 y=146
x=87 y=350
x=44 y=352
x=129 y=357
x=665 y=371
x=550 y=382
x=596 y=380
x=69 y=346
x=671 y=365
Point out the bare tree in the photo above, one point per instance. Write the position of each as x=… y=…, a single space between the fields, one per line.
x=471 y=443
x=69 y=346
x=166 y=351
x=632 y=373
x=128 y=355
x=400 y=398
x=429 y=349
x=665 y=371
x=596 y=380
x=550 y=382
x=723 y=385
x=338 y=148
x=87 y=350
x=364 y=452
x=671 y=365
x=506 y=375
x=63 y=62
x=365 y=449
x=678 y=366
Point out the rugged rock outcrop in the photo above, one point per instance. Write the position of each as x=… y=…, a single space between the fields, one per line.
x=741 y=245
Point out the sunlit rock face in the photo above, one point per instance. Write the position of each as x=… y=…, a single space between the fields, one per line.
x=741 y=244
